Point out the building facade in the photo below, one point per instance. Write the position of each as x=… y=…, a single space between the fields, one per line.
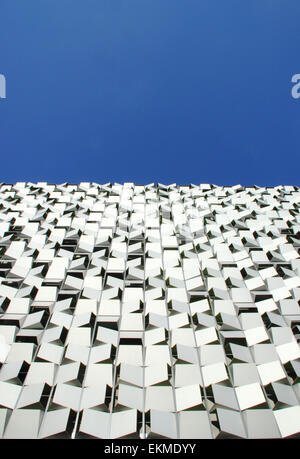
x=154 y=311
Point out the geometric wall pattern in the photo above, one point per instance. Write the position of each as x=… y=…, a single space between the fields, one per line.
x=131 y=311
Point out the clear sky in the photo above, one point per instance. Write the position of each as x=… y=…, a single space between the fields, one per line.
x=186 y=91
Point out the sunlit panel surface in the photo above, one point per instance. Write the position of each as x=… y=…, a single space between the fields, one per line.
x=154 y=311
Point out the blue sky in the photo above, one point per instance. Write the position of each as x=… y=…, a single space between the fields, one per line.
x=186 y=91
